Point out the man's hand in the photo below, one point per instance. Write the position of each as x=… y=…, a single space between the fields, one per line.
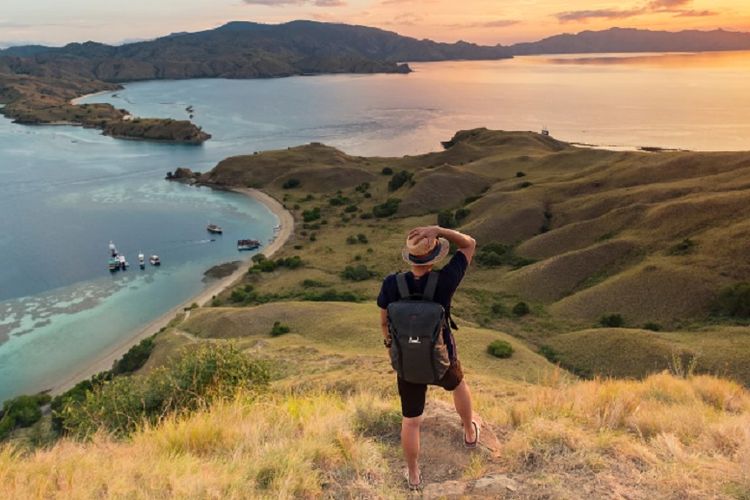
x=426 y=232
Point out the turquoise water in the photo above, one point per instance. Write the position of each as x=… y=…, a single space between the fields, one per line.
x=66 y=192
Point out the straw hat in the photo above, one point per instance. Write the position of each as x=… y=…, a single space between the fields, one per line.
x=425 y=251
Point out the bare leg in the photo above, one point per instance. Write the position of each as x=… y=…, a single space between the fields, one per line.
x=462 y=402
x=410 y=444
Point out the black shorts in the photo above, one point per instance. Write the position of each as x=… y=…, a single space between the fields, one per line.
x=413 y=396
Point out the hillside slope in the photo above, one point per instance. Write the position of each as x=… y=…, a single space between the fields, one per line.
x=579 y=234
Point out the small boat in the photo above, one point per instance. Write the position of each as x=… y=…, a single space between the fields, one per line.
x=247 y=244
x=114 y=264
x=123 y=263
x=154 y=260
x=213 y=228
x=142 y=261
x=112 y=249
x=545 y=131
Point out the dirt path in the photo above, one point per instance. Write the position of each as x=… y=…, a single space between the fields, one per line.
x=452 y=471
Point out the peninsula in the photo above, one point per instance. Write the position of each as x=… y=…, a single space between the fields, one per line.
x=37 y=83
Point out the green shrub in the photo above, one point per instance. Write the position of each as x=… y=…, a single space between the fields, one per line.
x=612 y=321
x=399 y=180
x=498 y=309
x=278 y=329
x=461 y=214
x=330 y=296
x=265 y=266
x=387 y=171
x=238 y=296
x=135 y=358
x=22 y=411
x=201 y=375
x=362 y=238
x=73 y=396
x=311 y=215
x=520 y=174
x=291 y=183
x=684 y=247
x=351 y=240
x=386 y=209
x=338 y=200
x=312 y=284
x=525 y=184
x=351 y=209
x=446 y=219
x=497 y=254
x=654 y=327
x=521 y=309
x=549 y=353
x=362 y=187
x=733 y=302
x=357 y=273
x=293 y=262
x=500 y=349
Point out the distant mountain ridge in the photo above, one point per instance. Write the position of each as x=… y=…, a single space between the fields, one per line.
x=311 y=46
x=252 y=50
x=635 y=40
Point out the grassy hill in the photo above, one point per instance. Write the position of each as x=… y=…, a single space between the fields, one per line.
x=651 y=238
x=609 y=264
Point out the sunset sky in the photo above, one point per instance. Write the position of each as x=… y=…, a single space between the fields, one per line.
x=481 y=21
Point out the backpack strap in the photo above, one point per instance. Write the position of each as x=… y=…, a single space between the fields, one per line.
x=403 y=286
x=431 y=286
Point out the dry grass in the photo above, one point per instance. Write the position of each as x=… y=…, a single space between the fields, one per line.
x=556 y=277
x=280 y=447
x=663 y=437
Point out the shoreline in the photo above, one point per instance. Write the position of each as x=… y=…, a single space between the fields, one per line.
x=75 y=100
x=107 y=359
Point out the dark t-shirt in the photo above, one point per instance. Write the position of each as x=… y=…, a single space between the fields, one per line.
x=450 y=277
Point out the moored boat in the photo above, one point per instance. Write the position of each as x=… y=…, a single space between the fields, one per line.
x=247 y=244
x=114 y=264
x=142 y=261
x=214 y=229
x=154 y=260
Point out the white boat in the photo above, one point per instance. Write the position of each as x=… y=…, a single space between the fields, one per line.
x=112 y=249
x=154 y=260
x=142 y=260
x=123 y=262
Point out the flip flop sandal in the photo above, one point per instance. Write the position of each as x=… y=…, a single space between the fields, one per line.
x=472 y=444
x=413 y=487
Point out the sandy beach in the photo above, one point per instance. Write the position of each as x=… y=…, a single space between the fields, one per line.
x=285 y=220
x=75 y=101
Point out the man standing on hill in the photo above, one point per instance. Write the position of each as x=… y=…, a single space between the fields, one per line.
x=403 y=321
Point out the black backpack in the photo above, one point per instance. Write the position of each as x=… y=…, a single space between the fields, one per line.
x=416 y=323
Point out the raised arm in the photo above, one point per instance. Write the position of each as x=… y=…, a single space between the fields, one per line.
x=464 y=242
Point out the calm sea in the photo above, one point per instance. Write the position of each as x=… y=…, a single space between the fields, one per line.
x=66 y=192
